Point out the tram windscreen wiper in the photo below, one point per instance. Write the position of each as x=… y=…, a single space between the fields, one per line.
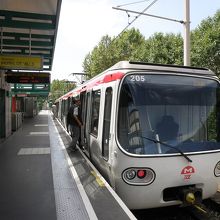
x=170 y=146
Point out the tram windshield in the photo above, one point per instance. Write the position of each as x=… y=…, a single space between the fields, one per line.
x=180 y=111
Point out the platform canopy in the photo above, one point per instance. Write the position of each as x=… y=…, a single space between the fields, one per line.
x=29 y=28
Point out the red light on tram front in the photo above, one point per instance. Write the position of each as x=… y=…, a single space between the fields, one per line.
x=141 y=173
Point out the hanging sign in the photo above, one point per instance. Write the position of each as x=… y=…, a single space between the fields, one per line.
x=21 y=62
x=27 y=77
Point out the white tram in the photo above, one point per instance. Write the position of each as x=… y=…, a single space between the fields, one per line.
x=152 y=131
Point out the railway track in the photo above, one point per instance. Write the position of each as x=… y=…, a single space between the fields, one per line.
x=208 y=210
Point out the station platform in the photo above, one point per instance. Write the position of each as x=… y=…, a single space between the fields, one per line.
x=39 y=179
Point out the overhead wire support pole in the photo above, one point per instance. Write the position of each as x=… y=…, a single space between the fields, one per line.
x=186 y=24
x=187 y=34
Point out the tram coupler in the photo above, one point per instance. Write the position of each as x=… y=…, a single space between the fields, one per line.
x=190 y=196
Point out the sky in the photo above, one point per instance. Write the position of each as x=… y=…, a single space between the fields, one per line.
x=83 y=23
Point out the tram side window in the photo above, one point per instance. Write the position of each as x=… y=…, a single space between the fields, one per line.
x=95 y=112
x=106 y=124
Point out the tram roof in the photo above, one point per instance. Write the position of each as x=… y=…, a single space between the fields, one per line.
x=119 y=70
x=29 y=27
x=160 y=67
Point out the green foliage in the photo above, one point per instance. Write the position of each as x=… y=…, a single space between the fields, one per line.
x=59 y=88
x=131 y=45
x=128 y=45
x=110 y=51
x=206 y=44
x=159 y=48
x=164 y=49
x=40 y=102
x=100 y=58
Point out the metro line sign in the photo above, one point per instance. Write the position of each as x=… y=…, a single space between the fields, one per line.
x=187 y=172
x=16 y=62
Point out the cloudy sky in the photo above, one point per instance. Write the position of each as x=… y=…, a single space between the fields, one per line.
x=83 y=22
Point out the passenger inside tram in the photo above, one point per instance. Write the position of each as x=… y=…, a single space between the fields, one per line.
x=167 y=130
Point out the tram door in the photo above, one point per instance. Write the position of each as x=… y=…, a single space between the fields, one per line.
x=2 y=113
x=106 y=123
x=86 y=121
x=82 y=113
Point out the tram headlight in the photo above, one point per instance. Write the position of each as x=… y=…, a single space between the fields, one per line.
x=130 y=174
x=138 y=176
x=217 y=169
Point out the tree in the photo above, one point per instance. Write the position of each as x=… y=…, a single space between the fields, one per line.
x=164 y=49
x=128 y=45
x=206 y=44
x=110 y=51
x=100 y=58
x=40 y=102
x=59 y=88
x=159 y=48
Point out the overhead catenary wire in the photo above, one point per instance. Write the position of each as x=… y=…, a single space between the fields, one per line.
x=150 y=15
x=136 y=17
x=132 y=3
x=185 y=22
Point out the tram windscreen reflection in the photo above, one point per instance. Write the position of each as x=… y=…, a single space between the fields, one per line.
x=181 y=111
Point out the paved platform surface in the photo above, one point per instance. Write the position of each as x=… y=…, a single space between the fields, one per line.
x=26 y=181
x=40 y=180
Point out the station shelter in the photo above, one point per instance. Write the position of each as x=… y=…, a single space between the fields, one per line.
x=28 y=31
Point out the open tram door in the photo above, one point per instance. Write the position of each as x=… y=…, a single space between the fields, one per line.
x=85 y=113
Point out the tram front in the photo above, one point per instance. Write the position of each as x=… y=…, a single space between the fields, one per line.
x=171 y=120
